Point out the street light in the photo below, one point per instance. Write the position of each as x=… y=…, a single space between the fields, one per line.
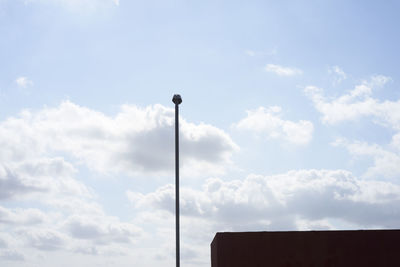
x=177 y=100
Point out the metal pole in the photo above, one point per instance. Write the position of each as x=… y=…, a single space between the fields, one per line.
x=177 y=100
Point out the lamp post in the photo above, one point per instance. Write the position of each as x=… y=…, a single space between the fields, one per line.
x=177 y=100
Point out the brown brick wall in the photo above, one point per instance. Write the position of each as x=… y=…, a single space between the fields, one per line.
x=366 y=248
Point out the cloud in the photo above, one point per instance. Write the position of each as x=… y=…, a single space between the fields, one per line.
x=356 y=104
x=396 y=142
x=282 y=71
x=13 y=185
x=92 y=250
x=386 y=163
x=136 y=140
x=23 y=82
x=32 y=173
x=74 y=230
x=268 y=122
x=44 y=239
x=11 y=255
x=379 y=81
x=253 y=53
x=338 y=73
x=359 y=103
x=40 y=171
x=103 y=230
x=3 y=243
x=250 y=53
x=39 y=176
x=284 y=201
x=21 y=216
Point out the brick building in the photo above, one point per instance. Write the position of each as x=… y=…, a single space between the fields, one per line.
x=364 y=248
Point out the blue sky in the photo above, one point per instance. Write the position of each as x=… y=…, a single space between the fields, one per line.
x=290 y=121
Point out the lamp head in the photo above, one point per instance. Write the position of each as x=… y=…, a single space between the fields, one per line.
x=177 y=99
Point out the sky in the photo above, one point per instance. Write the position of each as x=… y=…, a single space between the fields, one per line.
x=290 y=121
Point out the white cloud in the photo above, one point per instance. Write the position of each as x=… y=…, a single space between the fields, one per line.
x=13 y=185
x=103 y=230
x=379 y=81
x=282 y=71
x=39 y=176
x=386 y=163
x=284 y=201
x=309 y=225
x=360 y=103
x=136 y=140
x=33 y=174
x=396 y=142
x=357 y=103
x=250 y=53
x=69 y=218
x=268 y=121
x=21 y=216
x=23 y=82
x=253 y=53
x=339 y=74
x=44 y=239
x=69 y=230
x=11 y=255
x=3 y=244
